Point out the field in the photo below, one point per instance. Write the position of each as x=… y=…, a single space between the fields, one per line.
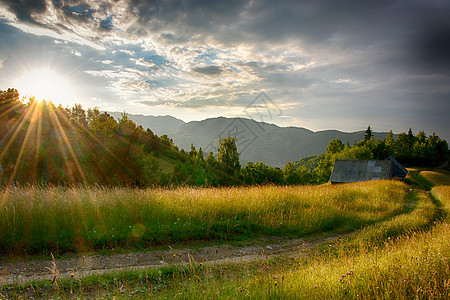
x=380 y=239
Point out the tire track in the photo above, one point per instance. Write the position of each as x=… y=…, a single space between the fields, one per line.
x=27 y=271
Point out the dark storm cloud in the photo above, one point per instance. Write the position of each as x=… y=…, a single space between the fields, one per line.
x=432 y=48
x=208 y=70
x=367 y=52
x=23 y=9
x=411 y=34
x=311 y=22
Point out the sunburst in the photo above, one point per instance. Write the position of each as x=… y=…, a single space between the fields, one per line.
x=45 y=83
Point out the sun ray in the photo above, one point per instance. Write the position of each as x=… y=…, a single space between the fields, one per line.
x=100 y=143
x=26 y=164
x=55 y=119
x=38 y=138
x=32 y=111
x=12 y=135
x=45 y=84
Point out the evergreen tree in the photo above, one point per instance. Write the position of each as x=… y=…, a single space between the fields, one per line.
x=211 y=160
x=200 y=155
x=410 y=138
x=368 y=135
x=390 y=139
x=193 y=153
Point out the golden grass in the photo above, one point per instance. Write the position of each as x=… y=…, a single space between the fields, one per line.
x=437 y=177
x=41 y=219
x=404 y=255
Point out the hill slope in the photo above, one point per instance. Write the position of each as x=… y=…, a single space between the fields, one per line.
x=256 y=141
x=158 y=124
x=259 y=141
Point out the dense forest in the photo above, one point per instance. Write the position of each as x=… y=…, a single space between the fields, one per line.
x=48 y=144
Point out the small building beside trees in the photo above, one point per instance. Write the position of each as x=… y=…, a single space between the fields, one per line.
x=352 y=170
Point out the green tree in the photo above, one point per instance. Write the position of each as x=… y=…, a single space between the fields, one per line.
x=335 y=146
x=290 y=174
x=200 y=155
x=228 y=156
x=9 y=100
x=410 y=138
x=78 y=115
x=211 y=160
x=368 y=135
x=193 y=153
x=390 y=140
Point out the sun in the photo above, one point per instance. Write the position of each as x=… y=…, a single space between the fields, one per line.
x=45 y=84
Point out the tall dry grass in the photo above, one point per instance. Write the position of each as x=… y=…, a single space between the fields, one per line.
x=38 y=219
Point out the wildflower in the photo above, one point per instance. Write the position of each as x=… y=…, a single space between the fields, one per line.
x=174 y=255
x=275 y=277
x=276 y=282
x=72 y=275
x=315 y=286
x=340 y=279
x=267 y=268
x=201 y=264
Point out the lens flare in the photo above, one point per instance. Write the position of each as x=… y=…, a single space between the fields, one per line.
x=45 y=84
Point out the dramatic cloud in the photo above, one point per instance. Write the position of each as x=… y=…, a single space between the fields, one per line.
x=327 y=64
x=208 y=70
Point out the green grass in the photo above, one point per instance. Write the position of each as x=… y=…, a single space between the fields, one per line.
x=43 y=219
x=437 y=176
x=412 y=262
x=402 y=254
x=415 y=178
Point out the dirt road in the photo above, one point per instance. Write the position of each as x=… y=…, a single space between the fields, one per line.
x=24 y=271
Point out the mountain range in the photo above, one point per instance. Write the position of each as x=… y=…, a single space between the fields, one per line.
x=256 y=141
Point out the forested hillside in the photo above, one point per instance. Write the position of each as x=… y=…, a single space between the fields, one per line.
x=256 y=141
x=44 y=143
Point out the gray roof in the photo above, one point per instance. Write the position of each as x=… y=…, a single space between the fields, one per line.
x=398 y=170
x=350 y=170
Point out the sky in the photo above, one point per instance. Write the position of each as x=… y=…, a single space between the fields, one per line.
x=330 y=64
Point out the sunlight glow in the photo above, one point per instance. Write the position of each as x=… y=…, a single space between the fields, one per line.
x=45 y=84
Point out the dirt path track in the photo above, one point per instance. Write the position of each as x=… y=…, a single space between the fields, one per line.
x=20 y=272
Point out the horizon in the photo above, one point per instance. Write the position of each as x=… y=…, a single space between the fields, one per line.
x=321 y=66
x=289 y=126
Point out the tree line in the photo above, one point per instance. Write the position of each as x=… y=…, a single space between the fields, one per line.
x=410 y=150
x=44 y=143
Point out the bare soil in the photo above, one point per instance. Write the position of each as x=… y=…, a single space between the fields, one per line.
x=27 y=270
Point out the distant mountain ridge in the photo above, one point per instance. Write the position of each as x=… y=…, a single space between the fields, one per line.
x=256 y=141
x=157 y=124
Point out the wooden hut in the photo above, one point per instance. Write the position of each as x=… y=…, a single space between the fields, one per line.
x=398 y=171
x=351 y=170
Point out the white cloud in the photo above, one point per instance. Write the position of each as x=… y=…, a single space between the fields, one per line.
x=76 y=52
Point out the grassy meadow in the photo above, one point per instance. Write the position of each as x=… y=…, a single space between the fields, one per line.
x=56 y=219
x=400 y=250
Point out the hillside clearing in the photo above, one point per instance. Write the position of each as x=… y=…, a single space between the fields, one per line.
x=268 y=267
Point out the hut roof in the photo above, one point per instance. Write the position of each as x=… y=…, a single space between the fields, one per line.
x=397 y=169
x=350 y=170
